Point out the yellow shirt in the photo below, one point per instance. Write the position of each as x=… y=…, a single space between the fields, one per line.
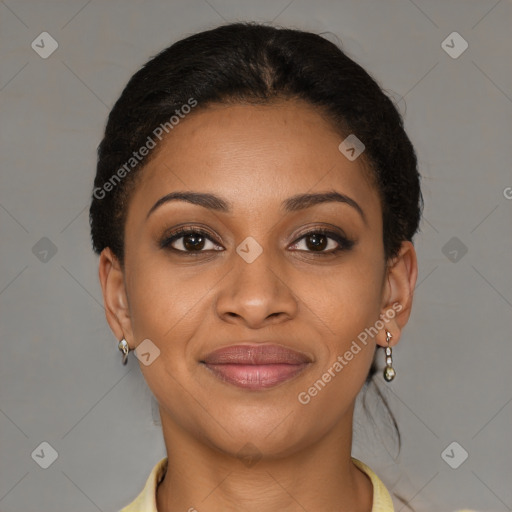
x=146 y=500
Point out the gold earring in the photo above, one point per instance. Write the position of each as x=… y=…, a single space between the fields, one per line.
x=389 y=371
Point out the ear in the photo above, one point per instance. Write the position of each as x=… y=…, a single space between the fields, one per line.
x=398 y=290
x=114 y=296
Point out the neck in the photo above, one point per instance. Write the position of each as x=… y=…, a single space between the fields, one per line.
x=317 y=478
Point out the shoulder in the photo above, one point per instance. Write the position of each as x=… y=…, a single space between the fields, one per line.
x=381 y=498
x=146 y=500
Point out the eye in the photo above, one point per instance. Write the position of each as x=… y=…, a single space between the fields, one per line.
x=318 y=240
x=189 y=240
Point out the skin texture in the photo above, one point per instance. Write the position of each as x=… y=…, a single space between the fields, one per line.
x=189 y=305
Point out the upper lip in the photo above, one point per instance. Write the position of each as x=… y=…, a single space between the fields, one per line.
x=258 y=354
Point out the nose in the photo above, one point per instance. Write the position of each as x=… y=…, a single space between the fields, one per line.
x=257 y=293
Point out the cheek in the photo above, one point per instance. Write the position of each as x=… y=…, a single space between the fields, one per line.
x=349 y=298
x=162 y=298
x=348 y=304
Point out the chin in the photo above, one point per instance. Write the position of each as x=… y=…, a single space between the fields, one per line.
x=261 y=433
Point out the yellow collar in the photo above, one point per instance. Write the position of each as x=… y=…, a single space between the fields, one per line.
x=146 y=500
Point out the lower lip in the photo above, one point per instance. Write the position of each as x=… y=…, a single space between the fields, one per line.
x=250 y=376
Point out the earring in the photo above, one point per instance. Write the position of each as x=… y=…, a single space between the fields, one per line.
x=389 y=371
x=124 y=348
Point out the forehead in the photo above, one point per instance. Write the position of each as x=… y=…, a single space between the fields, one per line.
x=254 y=155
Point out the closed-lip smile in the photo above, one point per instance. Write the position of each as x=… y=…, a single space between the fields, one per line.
x=256 y=367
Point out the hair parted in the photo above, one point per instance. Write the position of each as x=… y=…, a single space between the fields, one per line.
x=255 y=63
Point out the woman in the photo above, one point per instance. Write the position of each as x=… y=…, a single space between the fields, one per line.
x=254 y=207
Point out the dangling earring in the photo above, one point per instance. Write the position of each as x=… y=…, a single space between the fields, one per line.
x=389 y=371
x=124 y=348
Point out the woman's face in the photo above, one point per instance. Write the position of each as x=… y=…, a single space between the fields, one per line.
x=260 y=275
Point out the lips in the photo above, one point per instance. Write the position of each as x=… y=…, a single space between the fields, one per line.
x=256 y=366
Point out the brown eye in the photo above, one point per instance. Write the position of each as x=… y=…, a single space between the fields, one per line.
x=319 y=240
x=189 y=241
x=316 y=241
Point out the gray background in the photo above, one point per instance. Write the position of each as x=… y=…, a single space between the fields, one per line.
x=61 y=378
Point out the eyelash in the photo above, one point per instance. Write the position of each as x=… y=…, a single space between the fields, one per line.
x=344 y=244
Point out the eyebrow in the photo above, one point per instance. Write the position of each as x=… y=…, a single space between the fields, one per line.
x=292 y=204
